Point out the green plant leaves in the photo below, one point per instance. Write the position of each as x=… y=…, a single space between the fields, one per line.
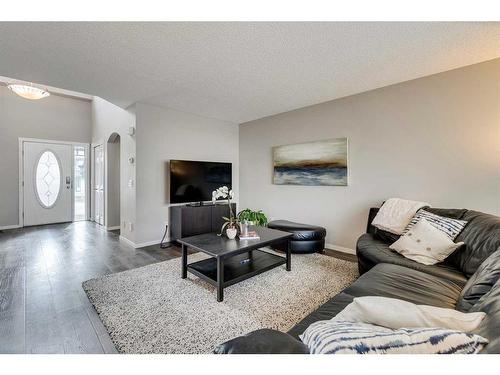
x=258 y=217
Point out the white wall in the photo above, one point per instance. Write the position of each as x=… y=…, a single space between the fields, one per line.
x=106 y=120
x=54 y=118
x=435 y=139
x=164 y=134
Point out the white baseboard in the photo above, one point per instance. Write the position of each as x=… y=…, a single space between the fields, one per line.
x=5 y=227
x=148 y=243
x=127 y=241
x=113 y=228
x=141 y=244
x=340 y=248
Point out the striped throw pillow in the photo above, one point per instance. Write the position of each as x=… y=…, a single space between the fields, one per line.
x=450 y=227
x=340 y=337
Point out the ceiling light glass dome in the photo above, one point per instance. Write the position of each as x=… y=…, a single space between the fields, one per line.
x=28 y=91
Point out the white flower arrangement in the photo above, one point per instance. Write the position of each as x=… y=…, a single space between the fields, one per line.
x=224 y=193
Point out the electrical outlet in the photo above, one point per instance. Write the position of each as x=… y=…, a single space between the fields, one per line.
x=130 y=227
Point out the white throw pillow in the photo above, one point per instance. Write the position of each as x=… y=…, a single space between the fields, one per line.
x=425 y=244
x=450 y=227
x=339 y=337
x=395 y=214
x=395 y=313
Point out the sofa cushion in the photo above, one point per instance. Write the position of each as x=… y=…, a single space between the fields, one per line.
x=393 y=281
x=263 y=341
x=481 y=237
x=386 y=237
x=490 y=326
x=481 y=282
x=372 y=251
x=387 y=280
x=326 y=311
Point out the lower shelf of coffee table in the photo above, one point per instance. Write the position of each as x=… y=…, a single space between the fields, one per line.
x=237 y=268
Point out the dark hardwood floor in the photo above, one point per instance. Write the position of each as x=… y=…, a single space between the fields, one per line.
x=43 y=308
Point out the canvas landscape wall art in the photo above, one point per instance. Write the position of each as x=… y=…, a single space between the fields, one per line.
x=313 y=163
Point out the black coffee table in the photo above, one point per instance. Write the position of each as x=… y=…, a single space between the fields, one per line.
x=235 y=260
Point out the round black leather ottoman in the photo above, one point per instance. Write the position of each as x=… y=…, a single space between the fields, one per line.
x=306 y=238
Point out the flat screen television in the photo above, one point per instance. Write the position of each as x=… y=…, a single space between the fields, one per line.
x=194 y=181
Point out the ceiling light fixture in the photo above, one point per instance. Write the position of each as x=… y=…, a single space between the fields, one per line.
x=28 y=91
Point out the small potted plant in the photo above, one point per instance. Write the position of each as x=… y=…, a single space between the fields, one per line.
x=231 y=225
x=252 y=217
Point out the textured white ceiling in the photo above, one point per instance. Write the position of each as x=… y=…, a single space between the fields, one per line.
x=237 y=71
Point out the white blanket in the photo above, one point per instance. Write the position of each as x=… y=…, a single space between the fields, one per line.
x=395 y=214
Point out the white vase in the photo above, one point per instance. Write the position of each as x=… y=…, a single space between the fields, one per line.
x=231 y=233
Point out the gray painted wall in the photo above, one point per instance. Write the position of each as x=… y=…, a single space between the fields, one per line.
x=54 y=118
x=107 y=119
x=164 y=134
x=435 y=139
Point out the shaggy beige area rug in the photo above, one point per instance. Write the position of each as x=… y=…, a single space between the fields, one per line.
x=152 y=310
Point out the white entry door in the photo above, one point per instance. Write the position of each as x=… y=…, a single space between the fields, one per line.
x=99 y=184
x=47 y=189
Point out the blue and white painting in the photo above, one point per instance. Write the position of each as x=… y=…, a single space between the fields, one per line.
x=321 y=163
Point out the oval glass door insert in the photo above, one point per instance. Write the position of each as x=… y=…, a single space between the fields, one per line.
x=47 y=179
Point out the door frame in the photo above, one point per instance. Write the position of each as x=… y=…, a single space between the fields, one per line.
x=21 y=174
x=92 y=178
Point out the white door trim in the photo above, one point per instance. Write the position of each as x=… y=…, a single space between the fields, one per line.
x=92 y=177
x=21 y=141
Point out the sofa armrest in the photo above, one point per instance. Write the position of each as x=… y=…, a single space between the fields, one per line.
x=371 y=215
x=263 y=341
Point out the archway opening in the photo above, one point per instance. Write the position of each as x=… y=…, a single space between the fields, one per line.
x=113 y=182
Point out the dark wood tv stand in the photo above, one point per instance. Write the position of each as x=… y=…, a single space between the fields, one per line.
x=188 y=221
